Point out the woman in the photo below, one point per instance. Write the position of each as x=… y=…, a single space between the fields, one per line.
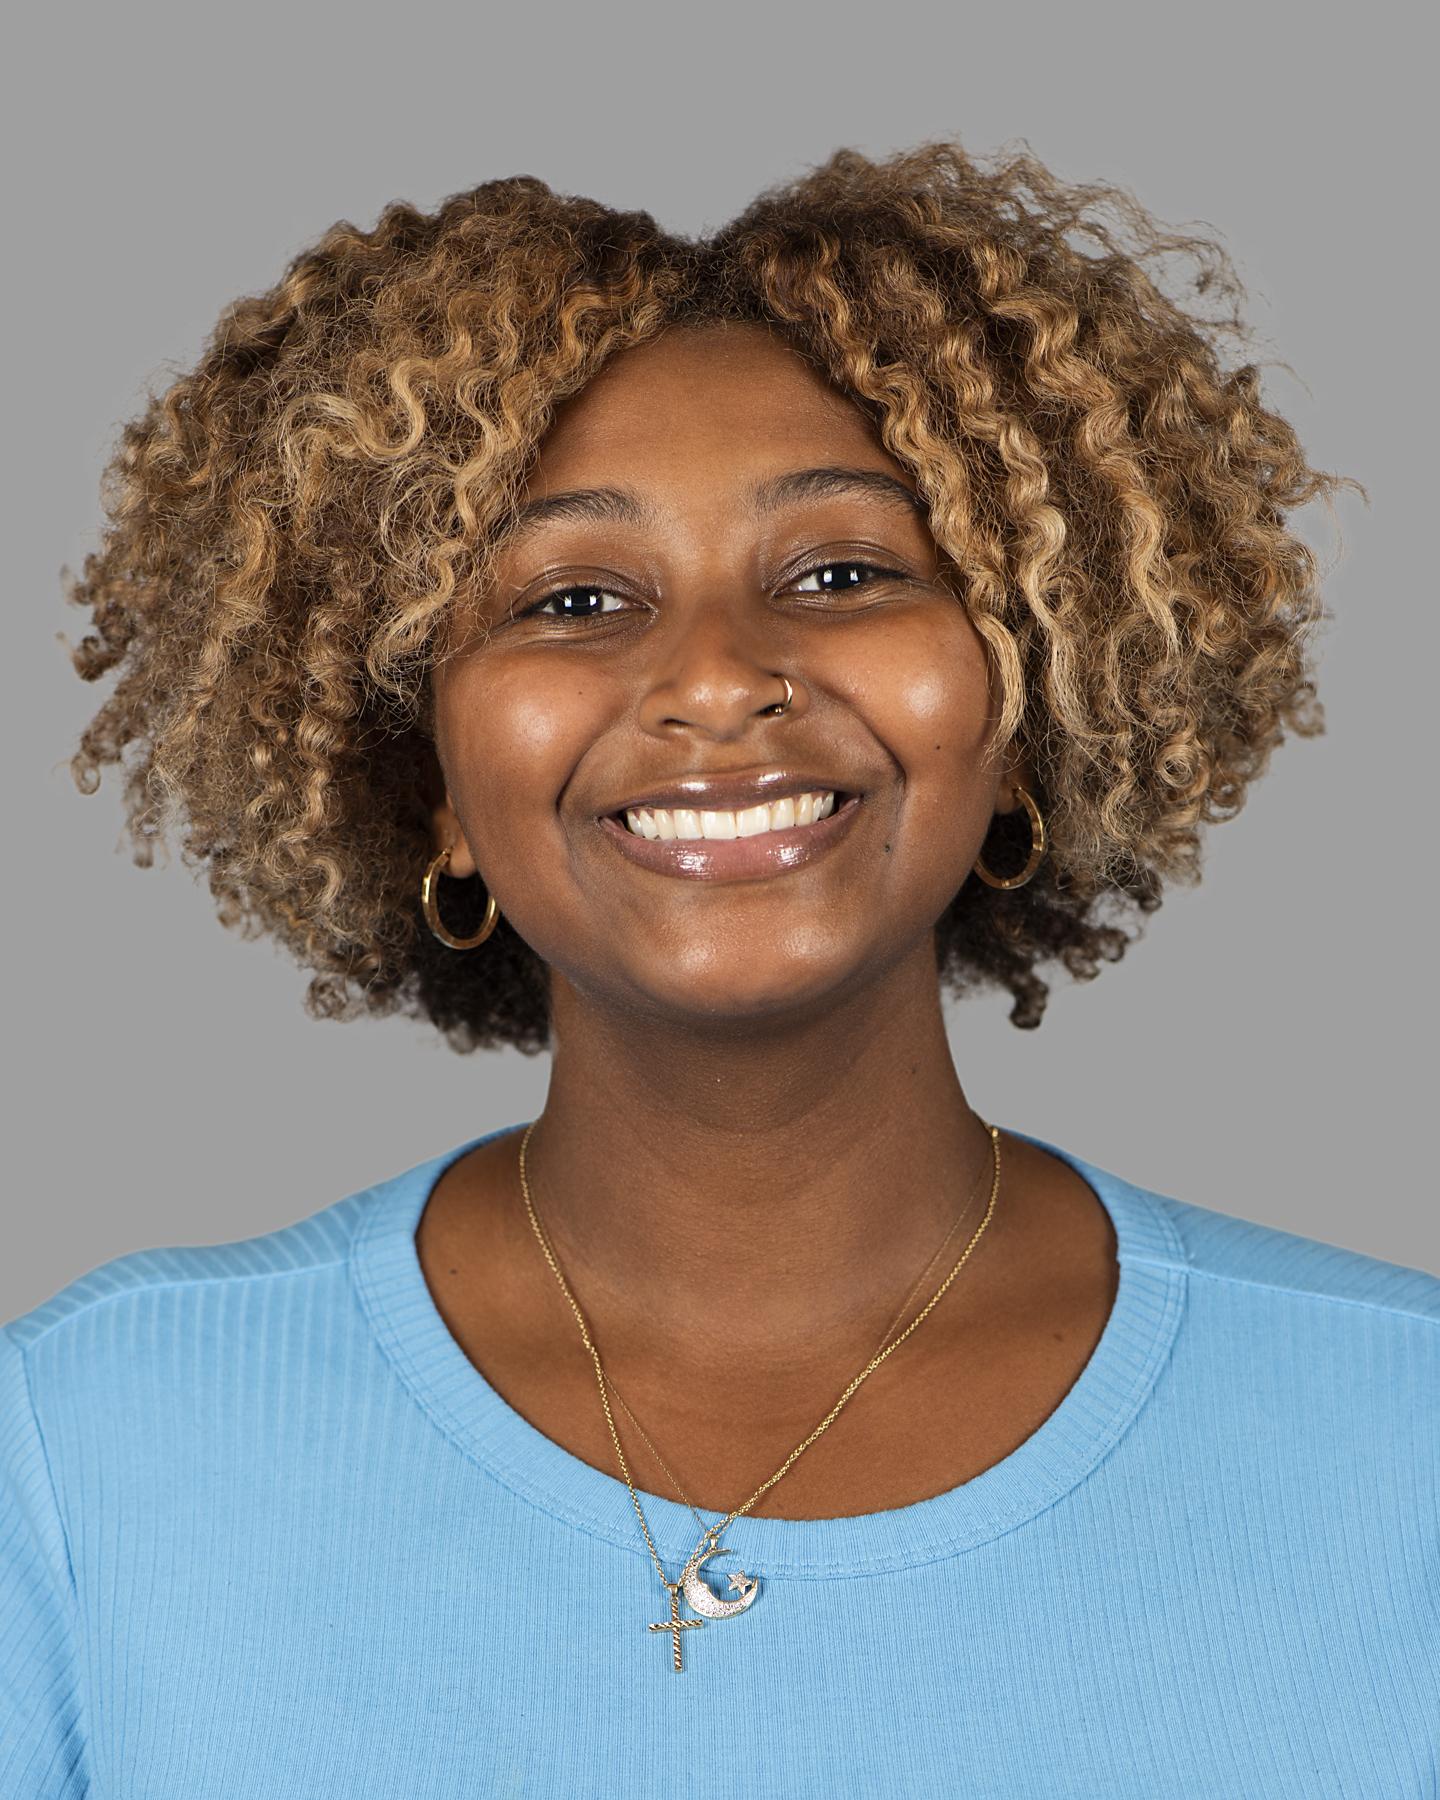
x=690 y=657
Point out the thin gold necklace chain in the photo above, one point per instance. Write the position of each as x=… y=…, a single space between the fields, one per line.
x=713 y=1533
x=899 y=1314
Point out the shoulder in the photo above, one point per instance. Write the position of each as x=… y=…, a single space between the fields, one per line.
x=1279 y=1346
x=138 y=1338
x=1296 y=1323
x=142 y=1331
x=182 y=1274
x=1292 y=1267
x=1311 y=1341
x=1284 y=1329
x=148 y=1362
x=1233 y=1250
x=163 y=1317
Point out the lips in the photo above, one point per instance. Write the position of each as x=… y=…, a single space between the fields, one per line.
x=766 y=854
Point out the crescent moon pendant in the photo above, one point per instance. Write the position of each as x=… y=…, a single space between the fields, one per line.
x=708 y=1604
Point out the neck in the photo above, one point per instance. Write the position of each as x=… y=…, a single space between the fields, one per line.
x=744 y=1196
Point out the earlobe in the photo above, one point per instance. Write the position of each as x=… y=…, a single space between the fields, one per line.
x=1007 y=794
x=445 y=828
x=462 y=864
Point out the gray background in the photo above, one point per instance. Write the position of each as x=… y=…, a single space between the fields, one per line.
x=1265 y=1051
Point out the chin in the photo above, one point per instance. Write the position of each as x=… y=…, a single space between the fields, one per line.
x=753 y=989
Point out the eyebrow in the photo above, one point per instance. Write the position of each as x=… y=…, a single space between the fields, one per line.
x=608 y=505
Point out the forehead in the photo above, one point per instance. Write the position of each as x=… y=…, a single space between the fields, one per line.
x=702 y=396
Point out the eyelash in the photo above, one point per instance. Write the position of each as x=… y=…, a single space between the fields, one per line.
x=589 y=587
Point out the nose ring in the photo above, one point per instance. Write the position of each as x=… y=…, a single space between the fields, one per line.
x=781 y=706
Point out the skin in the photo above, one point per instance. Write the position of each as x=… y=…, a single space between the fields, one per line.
x=755 y=1136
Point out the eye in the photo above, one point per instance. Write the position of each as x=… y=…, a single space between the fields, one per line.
x=852 y=572
x=584 y=601
x=590 y=602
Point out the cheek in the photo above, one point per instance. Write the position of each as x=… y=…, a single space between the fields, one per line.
x=924 y=685
x=926 y=697
x=514 y=734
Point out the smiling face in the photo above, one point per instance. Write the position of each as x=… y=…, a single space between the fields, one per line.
x=637 y=645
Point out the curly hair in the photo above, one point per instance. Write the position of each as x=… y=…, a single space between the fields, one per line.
x=291 y=524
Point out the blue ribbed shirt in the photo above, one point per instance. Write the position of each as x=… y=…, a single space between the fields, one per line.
x=266 y=1533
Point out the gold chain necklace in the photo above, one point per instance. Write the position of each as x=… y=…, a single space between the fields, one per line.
x=700 y=1597
x=899 y=1314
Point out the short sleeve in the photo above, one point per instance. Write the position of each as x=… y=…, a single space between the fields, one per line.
x=43 y=1754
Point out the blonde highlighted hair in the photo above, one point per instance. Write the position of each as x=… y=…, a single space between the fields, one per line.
x=292 y=523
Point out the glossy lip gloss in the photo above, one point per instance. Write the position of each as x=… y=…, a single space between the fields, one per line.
x=735 y=859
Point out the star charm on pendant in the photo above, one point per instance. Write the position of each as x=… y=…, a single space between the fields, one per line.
x=742 y=1583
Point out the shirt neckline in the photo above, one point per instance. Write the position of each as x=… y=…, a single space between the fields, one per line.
x=1098 y=1409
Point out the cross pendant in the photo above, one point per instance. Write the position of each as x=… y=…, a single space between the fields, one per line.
x=675 y=1624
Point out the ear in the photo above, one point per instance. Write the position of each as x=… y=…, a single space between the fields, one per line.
x=445 y=826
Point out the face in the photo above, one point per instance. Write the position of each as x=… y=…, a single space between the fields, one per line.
x=635 y=647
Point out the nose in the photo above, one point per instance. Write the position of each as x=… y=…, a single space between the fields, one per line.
x=718 y=674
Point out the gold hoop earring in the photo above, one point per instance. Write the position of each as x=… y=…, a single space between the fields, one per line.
x=432 y=911
x=1037 y=849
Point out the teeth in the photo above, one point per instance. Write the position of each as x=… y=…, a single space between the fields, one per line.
x=750 y=821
